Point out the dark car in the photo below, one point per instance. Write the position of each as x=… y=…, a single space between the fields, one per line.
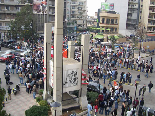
x=3 y=43
x=8 y=42
x=94 y=86
x=12 y=45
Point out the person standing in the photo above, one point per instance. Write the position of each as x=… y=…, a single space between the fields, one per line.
x=96 y=109
x=9 y=93
x=141 y=102
x=89 y=107
x=34 y=91
x=150 y=85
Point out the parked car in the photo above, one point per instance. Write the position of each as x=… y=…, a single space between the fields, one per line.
x=94 y=86
x=25 y=53
x=5 y=57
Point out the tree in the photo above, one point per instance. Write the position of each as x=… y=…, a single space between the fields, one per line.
x=113 y=41
x=91 y=96
x=2 y=96
x=140 y=33
x=37 y=111
x=24 y=23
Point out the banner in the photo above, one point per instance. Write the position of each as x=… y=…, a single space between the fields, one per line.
x=39 y=6
x=84 y=78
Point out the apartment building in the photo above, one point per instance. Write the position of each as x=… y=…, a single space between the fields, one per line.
x=8 y=11
x=148 y=17
x=109 y=23
x=133 y=14
x=91 y=21
x=77 y=11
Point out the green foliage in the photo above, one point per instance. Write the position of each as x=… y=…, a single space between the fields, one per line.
x=37 y=111
x=2 y=96
x=113 y=41
x=91 y=97
x=44 y=103
x=41 y=91
x=24 y=24
x=38 y=99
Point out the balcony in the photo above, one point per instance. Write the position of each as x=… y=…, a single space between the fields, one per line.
x=52 y=5
x=108 y=25
x=151 y=25
x=9 y=11
x=74 y=4
x=151 y=11
x=4 y=28
x=152 y=5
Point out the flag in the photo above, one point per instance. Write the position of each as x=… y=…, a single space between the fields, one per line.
x=84 y=78
x=97 y=20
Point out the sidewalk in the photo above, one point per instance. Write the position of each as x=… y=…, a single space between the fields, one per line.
x=19 y=103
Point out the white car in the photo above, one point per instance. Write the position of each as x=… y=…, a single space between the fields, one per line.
x=25 y=53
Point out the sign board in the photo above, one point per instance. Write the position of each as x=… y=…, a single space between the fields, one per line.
x=107 y=6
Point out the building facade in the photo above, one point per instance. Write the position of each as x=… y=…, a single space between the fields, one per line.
x=148 y=16
x=133 y=14
x=121 y=7
x=8 y=11
x=77 y=12
x=109 y=24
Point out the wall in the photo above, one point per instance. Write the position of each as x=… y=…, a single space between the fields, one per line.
x=151 y=44
x=118 y=6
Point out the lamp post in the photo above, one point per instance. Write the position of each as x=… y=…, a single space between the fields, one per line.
x=133 y=51
x=55 y=105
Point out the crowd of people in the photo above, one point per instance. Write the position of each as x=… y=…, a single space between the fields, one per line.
x=30 y=70
x=105 y=66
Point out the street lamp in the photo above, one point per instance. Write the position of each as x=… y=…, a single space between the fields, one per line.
x=55 y=105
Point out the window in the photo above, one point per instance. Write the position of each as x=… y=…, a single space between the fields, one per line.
x=140 y=17
x=108 y=21
x=7 y=8
x=17 y=8
x=73 y=12
x=0 y=24
x=73 y=7
x=7 y=24
x=112 y=21
x=103 y=20
x=116 y=21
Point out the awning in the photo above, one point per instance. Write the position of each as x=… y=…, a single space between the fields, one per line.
x=103 y=28
x=99 y=36
x=116 y=37
x=108 y=29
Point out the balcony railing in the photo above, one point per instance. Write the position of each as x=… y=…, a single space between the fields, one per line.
x=4 y=28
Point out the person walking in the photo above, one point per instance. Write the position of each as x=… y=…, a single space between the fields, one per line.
x=141 y=102
x=150 y=85
x=89 y=107
x=123 y=109
x=96 y=109
x=9 y=93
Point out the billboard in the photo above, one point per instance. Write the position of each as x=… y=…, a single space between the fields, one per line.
x=39 y=6
x=107 y=6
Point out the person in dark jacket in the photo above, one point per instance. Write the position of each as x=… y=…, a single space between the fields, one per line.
x=141 y=102
x=150 y=85
x=9 y=93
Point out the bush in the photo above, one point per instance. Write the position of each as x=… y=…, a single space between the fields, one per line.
x=37 y=111
x=38 y=99
x=41 y=91
x=91 y=96
x=44 y=103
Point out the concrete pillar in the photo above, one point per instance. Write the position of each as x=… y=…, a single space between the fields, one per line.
x=58 y=41
x=84 y=60
x=47 y=58
x=71 y=49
